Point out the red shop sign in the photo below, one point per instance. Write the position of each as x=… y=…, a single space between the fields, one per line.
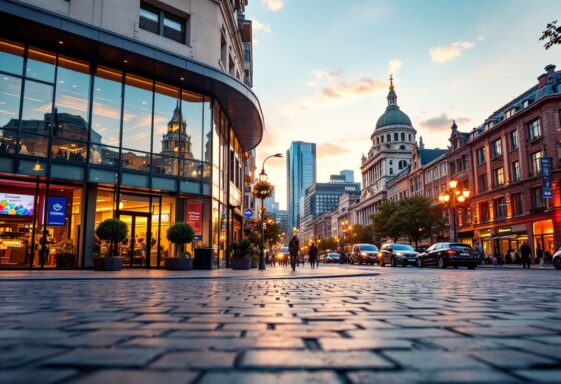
x=195 y=216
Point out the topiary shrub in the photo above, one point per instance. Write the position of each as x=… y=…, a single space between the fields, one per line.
x=112 y=230
x=180 y=234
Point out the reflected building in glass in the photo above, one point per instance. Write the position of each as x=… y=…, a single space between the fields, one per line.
x=102 y=123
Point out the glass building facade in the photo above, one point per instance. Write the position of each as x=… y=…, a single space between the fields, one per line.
x=81 y=142
x=301 y=174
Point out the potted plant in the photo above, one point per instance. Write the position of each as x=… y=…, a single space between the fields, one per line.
x=180 y=234
x=64 y=255
x=114 y=231
x=204 y=257
x=254 y=258
x=241 y=255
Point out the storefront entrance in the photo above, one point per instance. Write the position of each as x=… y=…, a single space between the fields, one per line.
x=134 y=250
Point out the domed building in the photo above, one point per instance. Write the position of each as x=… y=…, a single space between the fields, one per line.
x=393 y=141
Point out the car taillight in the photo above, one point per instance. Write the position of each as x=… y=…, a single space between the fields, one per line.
x=451 y=252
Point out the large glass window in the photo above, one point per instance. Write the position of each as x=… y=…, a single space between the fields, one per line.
x=10 y=95
x=106 y=107
x=192 y=111
x=167 y=119
x=137 y=114
x=71 y=101
x=37 y=105
x=41 y=65
x=11 y=57
x=7 y=141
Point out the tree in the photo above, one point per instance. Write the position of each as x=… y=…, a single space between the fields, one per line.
x=418 y=218
x=553 y=33
x=326 y=244
x=385 y=222
x=180 y=234
x=272 y=231
x=112 y=230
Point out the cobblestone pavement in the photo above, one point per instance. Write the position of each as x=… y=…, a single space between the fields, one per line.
x=403 y=326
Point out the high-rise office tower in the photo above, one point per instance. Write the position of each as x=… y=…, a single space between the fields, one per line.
x=301 y=174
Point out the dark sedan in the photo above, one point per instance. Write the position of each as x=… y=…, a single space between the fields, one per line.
x=332 y=257
x=443 y=255
x=398 y=254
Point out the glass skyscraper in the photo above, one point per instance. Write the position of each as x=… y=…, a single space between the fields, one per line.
x=301 y=174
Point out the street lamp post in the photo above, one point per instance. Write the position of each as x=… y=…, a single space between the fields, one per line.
x=452 y=199
x=263 y=177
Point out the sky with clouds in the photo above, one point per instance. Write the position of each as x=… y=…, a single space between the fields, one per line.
x=321 y=69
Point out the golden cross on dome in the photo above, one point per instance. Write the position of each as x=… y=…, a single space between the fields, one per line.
x=391 y=81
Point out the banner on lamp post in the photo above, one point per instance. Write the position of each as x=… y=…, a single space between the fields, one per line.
x=195 y=217
x=547 y=189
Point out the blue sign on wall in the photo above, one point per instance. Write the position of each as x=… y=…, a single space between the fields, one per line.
x=547 y=189
x=248 y=213
x=56 y=210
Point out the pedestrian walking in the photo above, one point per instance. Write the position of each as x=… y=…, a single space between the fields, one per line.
x=480 y=254
x=525 y=253
x=313 y=255
x=293 y=249
x=539 y=255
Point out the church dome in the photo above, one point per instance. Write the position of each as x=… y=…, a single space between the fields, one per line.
x=393 y=115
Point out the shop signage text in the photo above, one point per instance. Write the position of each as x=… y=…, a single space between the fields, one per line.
x=56 y=211
x=504 y=230
x=195 y=217
x=547 y=190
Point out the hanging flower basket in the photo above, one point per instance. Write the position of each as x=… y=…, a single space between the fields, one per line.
x=263 y=190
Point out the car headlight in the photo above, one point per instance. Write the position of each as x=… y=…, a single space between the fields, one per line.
x=363 y=253
x=399 y=253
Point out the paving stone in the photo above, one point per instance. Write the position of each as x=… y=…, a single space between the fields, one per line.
x=195 y=360
x=434 y=360
x=118 y=376
x=316 y=377
x=540 y=375
x=346 y=344
x=35 y=376
x=463 y=343
x=446 y=376
x=24 y=355
x=505 y=331
x=508 y=358
x=122 y=357
x=314 y=359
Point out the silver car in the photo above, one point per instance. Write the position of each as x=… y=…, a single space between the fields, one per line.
x=557 y=259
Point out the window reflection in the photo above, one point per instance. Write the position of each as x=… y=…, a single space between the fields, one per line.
x=11 y=56
x=10 y=88
x=137 y=116
x=33 y=145
x=138 y=161
x=192 y=111
x=106 y=156
x=207 y=131
x=37 y=104
x=68 y=150
x=164 y=165
x=106 y=107
x=166 y=120
x=191 y=169
x=7 y=141
x=41 y=65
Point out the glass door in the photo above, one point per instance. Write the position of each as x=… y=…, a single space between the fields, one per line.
x=134 y=249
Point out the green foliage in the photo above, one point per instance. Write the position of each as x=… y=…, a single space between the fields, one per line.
x=113 y=230
x=327 y=244
x=180 y=233
x=272 y=232
x=242 y=249
x=551 y=33
x=414 y=217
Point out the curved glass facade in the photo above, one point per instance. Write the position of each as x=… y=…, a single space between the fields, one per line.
x=112 y=133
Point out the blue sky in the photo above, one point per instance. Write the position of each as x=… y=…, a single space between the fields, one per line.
x=321 y=69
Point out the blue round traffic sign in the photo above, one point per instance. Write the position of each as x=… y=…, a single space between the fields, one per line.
x=248 y=213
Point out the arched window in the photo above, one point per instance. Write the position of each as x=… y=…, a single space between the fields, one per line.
x=402 y=136
x=377 y=140
x=409 y=137
x=391 y=171
x=382 y=139
x=388 y=137
x=396 y=137
x=402 y=147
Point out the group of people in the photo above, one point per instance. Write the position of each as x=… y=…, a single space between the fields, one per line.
x=522 y=256
x=294 y=252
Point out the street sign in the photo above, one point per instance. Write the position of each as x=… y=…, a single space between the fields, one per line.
x=547 y=188
x=248 y=213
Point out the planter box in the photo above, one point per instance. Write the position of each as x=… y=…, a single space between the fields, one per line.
x=107 y=263
x=240 y=264
x=254 y=263
x=204 y=258
x=178 y=263
x=65 y=260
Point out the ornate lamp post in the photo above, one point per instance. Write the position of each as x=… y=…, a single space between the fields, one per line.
x=452 y=199
x=262 y=190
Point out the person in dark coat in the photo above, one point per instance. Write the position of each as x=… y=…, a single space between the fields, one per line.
x=313 y=253
x=525 y=253
x=293 y=248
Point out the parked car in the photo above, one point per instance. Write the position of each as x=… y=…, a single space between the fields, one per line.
x=283 y=255
x=556 y=261
x=443 y=255
x=364 y=253
x=398 y=254
x=332 y=257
